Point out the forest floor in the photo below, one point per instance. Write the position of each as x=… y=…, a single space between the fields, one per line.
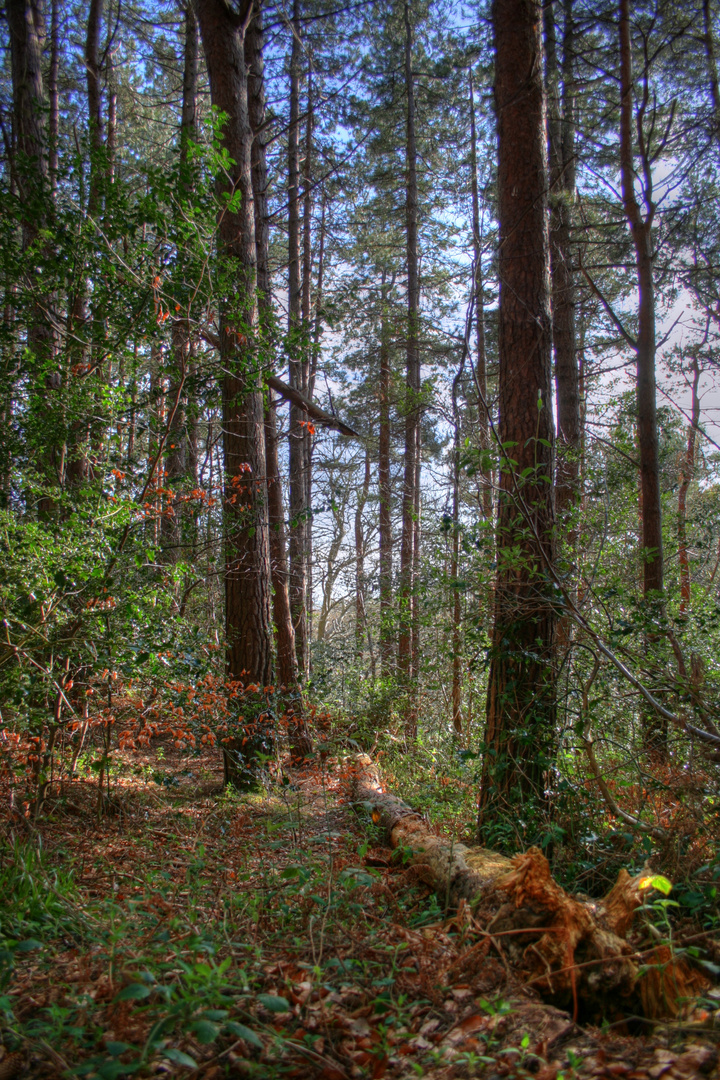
x=194 y=932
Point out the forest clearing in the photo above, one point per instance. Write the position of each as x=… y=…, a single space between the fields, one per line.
x=360 y=539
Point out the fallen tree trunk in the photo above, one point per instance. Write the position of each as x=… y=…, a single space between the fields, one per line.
x=571 y=950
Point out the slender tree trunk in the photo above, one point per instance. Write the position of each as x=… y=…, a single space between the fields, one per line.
x=298 y=421
x=360 y=584
x=317 y=322
x=94 y=98
x=519 y=742
x=247 y=558
x=317 y=329
x=457 y=719
x=287 y=668
x=54 y=110
x=88 y=325
x=111 y=137
x=30 y=180
x=178 y=461
x=309 y=357
x=687 y=472
x=641 y=229
x=285 y=635
x=412 y=401
x=561 y=129
x=415 y=596
x=485 y=472
x=385 y=490
x=307 y=209
x=155 y=416
x=649 y=502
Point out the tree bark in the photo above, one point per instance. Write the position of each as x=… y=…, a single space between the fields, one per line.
x=30 y=181
x=360 y=583
x=521 y=702
x=412 y=403
x=687 y=472
x=247 y=560
x=26 y=28
x=385 y=490
x=297 y=435
x=94 y=98
x=111 y=137
x=179 y=461
x=485 y=473
x=88 y=326
x=309 y=356
x=561 y=130
x=641 y=229
x=54 y=110
x=457 y=718
x=315 y=352
x=287 y=668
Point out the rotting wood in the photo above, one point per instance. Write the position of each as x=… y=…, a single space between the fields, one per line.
x=571 y=950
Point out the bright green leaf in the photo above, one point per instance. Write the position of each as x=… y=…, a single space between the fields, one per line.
x=658 y=882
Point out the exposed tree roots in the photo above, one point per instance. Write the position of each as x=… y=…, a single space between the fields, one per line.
x=572 y=950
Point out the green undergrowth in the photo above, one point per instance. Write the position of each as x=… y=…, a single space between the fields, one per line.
x=256 y=935
x=178 y=953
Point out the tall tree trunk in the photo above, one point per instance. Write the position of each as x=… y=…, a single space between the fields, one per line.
x=94 y=98
x=179 y=458
x=360 y=584
x=26 y=28
x=485 y=472
x=415 y=597
x=654 y=729
x=88 y=328
x=247 y=558
x=287 y=668
x=561 y=129
x=309 y=357
x=385 y=489
x=30 y=175
x=641 y=229
x=111 y=137
x=412 y=401
x=307 y=209
x=457 y=719
x=315 y=352
x=54 y=110
x=317 y=318
x=298 y=421
x=521 y=702
x=687 y=472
